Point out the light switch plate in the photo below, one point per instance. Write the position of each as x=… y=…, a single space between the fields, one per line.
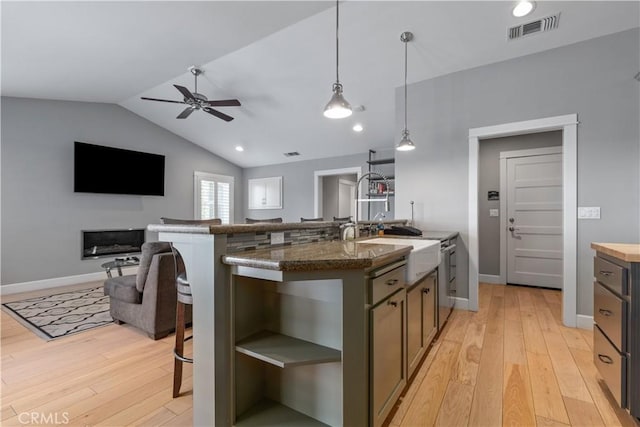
x=494 y=212
x=277 y=238
x=592 y=212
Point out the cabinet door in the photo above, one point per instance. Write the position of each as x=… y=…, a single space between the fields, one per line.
x=415 y=343
x=265 y=193
x=388 y=373
x=428 y=293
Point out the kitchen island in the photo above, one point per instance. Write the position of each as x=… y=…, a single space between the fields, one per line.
x=234 y=292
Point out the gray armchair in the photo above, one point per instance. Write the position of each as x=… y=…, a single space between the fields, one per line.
x=147 y=300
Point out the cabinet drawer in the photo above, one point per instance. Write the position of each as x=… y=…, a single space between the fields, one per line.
x=611 y=365
x=386 y=284
x=610 y=314
x=611 y=275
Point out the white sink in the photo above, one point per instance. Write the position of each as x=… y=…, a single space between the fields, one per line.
x=424 y=257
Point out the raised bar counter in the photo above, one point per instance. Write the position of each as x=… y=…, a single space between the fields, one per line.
x=257 y=227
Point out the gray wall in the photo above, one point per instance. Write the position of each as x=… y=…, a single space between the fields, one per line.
x=593 y=79
x=489 y=179
x=42 y=216
x=297 y=183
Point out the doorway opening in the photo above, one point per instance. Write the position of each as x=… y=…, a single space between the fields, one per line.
x=568 y=126
x=535 y=257
x=334 y=192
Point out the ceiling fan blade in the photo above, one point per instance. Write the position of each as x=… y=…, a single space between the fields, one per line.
x=183 y=90
x=218 y=114
x=162 y=100
x=224 y=103
x=186 y=113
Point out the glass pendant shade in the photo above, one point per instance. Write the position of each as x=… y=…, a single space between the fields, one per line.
x=405 y=144
x=338 y=107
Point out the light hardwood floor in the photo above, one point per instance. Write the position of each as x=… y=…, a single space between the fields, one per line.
x=511 y=363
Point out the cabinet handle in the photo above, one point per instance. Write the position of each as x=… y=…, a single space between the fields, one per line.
x=392 y=303
x=605 y=359
x=426 y=290
x=604 y=312
x=392 y=282
x=606 y=273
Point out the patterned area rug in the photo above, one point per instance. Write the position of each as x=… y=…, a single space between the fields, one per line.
x=56 y=316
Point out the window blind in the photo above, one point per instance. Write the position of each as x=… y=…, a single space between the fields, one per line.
x=213 y=196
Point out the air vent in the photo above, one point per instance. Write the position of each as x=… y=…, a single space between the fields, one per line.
x=291 y=154
x=534 y=27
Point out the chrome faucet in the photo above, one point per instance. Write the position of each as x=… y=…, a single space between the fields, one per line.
x=358 y=199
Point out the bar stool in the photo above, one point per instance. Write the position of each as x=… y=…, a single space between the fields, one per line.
x=184 y=300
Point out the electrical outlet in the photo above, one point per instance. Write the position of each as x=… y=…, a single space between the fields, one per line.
x=494 y=212
x=589 y=212
x=277 y=238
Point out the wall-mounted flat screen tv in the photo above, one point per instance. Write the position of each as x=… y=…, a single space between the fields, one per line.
x=100 y=169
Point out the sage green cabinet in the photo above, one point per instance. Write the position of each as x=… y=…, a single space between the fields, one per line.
x=388 y=370
x=421 y=319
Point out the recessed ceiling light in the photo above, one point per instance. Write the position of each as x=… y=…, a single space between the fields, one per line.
x=239 y=148
x=357 y=127
x=523 y=8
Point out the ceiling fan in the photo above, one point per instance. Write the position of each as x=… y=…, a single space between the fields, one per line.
x=197 y=101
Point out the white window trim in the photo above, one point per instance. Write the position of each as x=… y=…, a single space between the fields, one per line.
x=207 y=176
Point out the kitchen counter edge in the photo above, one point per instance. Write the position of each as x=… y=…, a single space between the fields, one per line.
x=629 y=252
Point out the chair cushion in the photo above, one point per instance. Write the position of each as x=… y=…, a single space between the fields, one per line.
x=123 y=288
x=149 y=249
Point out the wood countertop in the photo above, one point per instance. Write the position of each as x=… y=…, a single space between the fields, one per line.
x=629 y=252
x=336 y=255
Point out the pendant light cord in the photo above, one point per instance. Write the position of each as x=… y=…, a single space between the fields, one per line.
x=405 y=84
x=337 y=44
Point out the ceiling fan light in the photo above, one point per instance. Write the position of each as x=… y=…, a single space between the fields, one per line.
x=405 y=143
x=338 y=107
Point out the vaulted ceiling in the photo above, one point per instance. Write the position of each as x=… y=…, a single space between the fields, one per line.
x=276 y=57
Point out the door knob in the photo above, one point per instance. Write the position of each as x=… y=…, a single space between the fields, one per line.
x=512 y=228
x=512 y=220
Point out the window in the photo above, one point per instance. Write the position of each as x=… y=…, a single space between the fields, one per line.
x=213 y=196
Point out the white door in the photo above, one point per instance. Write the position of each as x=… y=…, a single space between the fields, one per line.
x=346 y=196
x=534 y=220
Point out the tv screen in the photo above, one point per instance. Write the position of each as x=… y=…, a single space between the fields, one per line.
x=100 y=169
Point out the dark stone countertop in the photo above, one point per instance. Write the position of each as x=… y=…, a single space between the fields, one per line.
x=336 y=255
x=253 y=228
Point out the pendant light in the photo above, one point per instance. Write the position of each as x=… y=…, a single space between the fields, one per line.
x=405 y=143
x=338 y=107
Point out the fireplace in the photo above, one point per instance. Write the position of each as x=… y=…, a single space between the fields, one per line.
x=105 y=243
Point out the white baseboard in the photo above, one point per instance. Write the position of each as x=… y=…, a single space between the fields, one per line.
x=584 y=322
x=462 y=303
x=56 y=282
x=490 y=278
